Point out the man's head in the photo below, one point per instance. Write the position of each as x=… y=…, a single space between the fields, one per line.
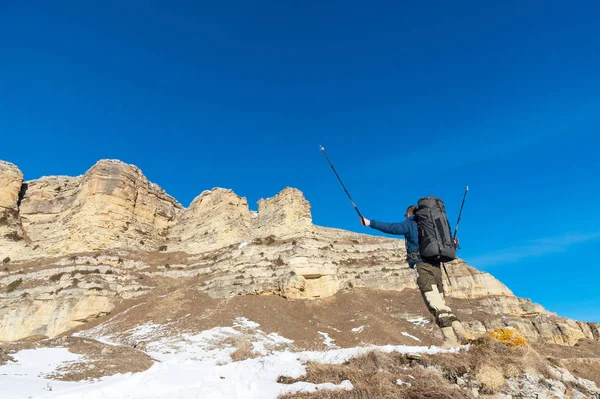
x=410 y=211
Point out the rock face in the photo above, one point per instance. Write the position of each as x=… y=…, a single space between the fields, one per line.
x=468 y=282
x=219 y=218
x=77 y=247
x=214 y=219
x=32 y=317
x=51 y=298
x=111 y=205
x=11 y=179
x=287 y=212
x=11 y=230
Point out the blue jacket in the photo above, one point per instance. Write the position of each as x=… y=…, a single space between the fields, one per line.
x=408 y=229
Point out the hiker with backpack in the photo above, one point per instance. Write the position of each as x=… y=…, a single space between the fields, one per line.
x=429 y=243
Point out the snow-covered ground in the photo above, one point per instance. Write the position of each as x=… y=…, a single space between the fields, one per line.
x=188 y=366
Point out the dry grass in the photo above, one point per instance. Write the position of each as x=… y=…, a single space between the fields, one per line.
x=5 y=357
x=56 y=277
x=428 y=385
x=584 y=368
x=13 y=285
x=243 y=351
x=279 y=261
x=13 y=236
x=374 y=375
x=492 y=378
x=106 y=359
x=489 y=361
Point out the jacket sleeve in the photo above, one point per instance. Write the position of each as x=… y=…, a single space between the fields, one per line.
x=391 y=228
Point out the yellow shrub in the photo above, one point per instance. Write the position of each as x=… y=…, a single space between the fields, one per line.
x=509 y=336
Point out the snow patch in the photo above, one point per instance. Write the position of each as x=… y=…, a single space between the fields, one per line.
x=411 y=336
x=245 y=324
x=242 y=245
x=271 y=340
x=327 y=340
x=102 y=332
x=359 y=329
x=25 y=376
x=146 y=331
x=419 y=321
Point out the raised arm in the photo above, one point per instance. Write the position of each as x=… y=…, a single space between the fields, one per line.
x=389 y=228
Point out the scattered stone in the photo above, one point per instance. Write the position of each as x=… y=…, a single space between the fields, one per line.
x=413 y=356
x=140 y=346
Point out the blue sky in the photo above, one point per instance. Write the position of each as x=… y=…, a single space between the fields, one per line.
x=408 y=100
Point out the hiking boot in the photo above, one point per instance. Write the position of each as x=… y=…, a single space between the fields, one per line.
x=462 y=334
x=450 y=340
x=436 y=301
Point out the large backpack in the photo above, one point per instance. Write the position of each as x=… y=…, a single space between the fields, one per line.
x=435 y=233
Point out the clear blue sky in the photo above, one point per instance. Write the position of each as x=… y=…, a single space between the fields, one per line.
x=408 y=101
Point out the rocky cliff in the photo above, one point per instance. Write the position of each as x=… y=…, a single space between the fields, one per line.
x=112 y=205
x=77 y=248
x=11 y=230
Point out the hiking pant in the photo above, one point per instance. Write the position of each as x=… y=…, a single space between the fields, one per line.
x=429 y=280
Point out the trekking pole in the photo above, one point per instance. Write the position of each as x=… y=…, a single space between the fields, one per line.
x=447 y=275
x=456 y=230
x=347 y=193
x=460 y=214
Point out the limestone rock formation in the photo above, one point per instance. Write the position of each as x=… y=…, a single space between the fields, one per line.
x=219 y=218
x=48 y=299
x=11 y=179
x=287 y=212
x=468 y=282
x=215 y=219
x=76 y=248
x=111 y=205
x=12 y=236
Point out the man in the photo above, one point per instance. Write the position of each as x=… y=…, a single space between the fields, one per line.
x=429 y=277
